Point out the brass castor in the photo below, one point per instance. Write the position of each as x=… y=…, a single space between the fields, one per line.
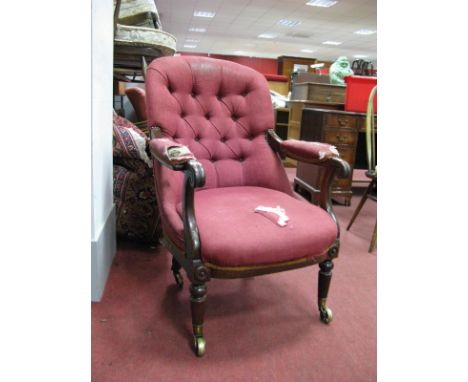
x=199 y=345
x=326 y=314
x=178 y=279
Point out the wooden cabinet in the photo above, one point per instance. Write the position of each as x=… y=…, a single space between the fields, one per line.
x=286 y=64
x=335 y=127
x=319 y=92
x=281 y=122
x=279 y=87
x=295 y=114
x=312 y=95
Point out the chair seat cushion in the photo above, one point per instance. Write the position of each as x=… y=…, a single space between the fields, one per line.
x=232 y=234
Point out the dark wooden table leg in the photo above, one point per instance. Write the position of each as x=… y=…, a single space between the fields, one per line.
x=374 y=239
x=361 y=203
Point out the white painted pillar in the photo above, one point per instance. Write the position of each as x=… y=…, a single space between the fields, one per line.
x=103 y=237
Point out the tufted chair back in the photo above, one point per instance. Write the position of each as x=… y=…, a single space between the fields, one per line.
x=220 y=110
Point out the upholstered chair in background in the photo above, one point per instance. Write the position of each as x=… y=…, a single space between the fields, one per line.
x=137 y=213
x=137 y=97
x=217 y=165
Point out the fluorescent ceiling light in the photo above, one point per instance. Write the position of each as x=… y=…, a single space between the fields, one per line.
x=241 y=52
x=200 y=30
x=307 y=51
x=331 y=43
x=360 y=56
x=321 y=3
x=190 y=46
x=267 y=35
x=365 y=32
x=191 y=40
x=289 y=23
x=204 y=14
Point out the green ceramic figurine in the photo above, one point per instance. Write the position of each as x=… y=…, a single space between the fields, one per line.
x=339 y=70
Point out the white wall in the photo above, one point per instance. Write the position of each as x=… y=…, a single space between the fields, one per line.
x=102 y=207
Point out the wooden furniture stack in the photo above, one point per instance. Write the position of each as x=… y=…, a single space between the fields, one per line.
x=312 y=94
x=319 y=92
x=281 y=122
x=286 y=64
x=138 y=39
x=340 y=129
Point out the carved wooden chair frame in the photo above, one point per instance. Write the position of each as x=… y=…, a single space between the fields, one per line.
x=199 y=272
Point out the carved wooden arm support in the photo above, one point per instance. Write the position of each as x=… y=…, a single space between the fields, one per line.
x=307 y=152
x=194 y=176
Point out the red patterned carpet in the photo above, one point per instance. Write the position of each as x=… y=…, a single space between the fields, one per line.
x=265 y=328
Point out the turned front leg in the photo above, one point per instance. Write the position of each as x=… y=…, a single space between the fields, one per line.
x=324 y=279
x=197 y=306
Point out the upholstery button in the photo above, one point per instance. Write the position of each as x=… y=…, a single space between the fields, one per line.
x=193 y=94
x=207 y=115
x=219 y=97
x=234 y=117
x=183 y=114
x=197 y=138
x=223 y=139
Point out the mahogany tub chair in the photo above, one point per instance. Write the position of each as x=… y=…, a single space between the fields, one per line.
x=216 y=159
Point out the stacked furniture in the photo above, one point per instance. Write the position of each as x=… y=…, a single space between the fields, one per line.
x=339 y=128
x=138 y=38
x=312 y=94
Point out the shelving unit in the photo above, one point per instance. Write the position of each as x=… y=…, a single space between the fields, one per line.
x=281 y=122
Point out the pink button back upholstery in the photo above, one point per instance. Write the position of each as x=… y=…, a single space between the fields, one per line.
x=220 y=110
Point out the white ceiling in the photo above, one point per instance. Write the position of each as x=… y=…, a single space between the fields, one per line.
x=237 y=23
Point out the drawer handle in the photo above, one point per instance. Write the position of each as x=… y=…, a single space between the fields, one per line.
x=342 y=121
x=341 y=138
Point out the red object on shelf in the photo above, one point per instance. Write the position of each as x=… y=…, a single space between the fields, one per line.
x=358 y=89
x=276 y=77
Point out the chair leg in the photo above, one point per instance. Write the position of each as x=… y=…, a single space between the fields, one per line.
x=197 y=306
x=374 y=239
x=176 y=272
x=361 y=203
x=324 y=279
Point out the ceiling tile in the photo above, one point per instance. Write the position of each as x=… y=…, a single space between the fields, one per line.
x=237 y=24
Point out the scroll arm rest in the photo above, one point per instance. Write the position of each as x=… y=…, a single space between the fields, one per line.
x=334 y=166
x=308 y=152
x=194 y=177
x=161 y=149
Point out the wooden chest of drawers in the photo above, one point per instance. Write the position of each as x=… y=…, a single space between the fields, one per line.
x=340 y=129
x=318 y=92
